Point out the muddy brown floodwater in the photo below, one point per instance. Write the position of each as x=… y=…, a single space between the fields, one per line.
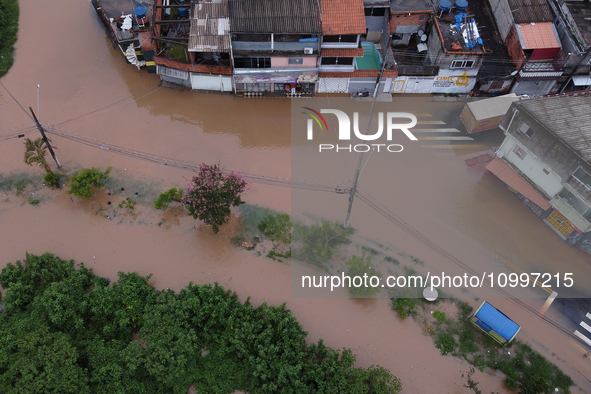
x=88 y=91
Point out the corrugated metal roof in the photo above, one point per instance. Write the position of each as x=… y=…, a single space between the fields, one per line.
x=525 y=11
x=581 y=13
x=210 y=27
x=568 y=117
x=505 y=173
x=275 y=16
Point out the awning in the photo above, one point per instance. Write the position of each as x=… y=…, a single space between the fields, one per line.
x=513 y=179
x=491 y=318
x=582 y=80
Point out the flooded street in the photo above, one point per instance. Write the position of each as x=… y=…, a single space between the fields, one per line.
x=89 y=93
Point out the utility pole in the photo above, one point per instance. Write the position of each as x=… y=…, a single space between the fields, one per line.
x=360 y=157
x=38 y=86
x=45 y=138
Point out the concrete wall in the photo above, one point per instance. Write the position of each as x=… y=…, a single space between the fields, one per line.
x=503 y=16
x=282 y=62
x=532 y=167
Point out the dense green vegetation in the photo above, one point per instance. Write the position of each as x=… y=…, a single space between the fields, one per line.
x=525 y=369
x=164 y=199
x=8 y=28
x=66 y=330
x=83 y=182
x=320 y=240
x=361 y=266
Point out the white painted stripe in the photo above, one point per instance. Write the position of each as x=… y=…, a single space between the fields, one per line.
x=430 y=122
x=447 y=138
x=434 y=130
x=588 y=315
x=586 y=326
x=583 y=338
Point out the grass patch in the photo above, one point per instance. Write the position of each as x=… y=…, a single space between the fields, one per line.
x=369 y=250
x=391 y=260
x=404 y=306
x=439 y=316
x=34 y=201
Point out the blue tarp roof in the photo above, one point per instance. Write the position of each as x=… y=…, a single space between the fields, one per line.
x=500 y=323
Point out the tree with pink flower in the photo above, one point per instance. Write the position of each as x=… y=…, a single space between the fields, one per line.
x=211 y=193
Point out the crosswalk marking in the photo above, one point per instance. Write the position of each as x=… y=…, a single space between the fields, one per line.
x=430 y=122
x=586 y=326
x=450 y=138
x=588 y=315
x=444 y=130
x=583 y=338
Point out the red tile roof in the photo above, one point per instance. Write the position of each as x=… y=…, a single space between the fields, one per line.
x=342 y=16
x=342 y=52
x=505 y=173
x=358 y=74
x=538 y=35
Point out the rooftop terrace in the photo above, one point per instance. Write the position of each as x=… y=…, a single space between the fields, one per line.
x=459 y=33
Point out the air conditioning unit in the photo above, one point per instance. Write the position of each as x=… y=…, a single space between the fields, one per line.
x=308 y=50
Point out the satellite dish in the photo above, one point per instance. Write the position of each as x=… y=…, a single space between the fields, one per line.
x=424 y=37
x=430 y=293
x=420 y=33
x=499 y=154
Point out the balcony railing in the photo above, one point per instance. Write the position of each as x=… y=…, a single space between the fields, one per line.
x=277 y=46
x=579 y=188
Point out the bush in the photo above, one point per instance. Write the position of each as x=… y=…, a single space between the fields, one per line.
x=439 y=316
x=446 y=343
x=277 y=228
x=164 y=199
x=404 y=306
x=361 y=266
x=51 y=179
x=83 y=182
x=321 y=240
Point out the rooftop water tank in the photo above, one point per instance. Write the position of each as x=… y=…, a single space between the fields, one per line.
x=183 y=12
x=140 y=12
x=444 y=5
x=461 y=5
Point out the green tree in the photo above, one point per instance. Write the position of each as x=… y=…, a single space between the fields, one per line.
x=319 y=241
x=211 y=193
x=83 y=182
x=9 y=13
x=35 y=151
x=361 y=266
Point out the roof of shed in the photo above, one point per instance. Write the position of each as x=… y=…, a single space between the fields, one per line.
x=541 y=35
x=568 y=117
x=342 y=16
x=275 y=16
x=581 y=13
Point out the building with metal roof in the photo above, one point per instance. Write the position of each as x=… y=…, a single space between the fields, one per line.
x=546 y=159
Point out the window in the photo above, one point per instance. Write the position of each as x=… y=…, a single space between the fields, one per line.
x=462 y=63
x=576 y=203
x=520 y=152
x=396 y=36
x=336 y=61
x=309 y=87
x=375 y=11
x=350 y=38
x=525 y=129
x=546 y=171
x=422 y=17
x=239 y=86
x=252 y=62
x=583 y=176
x=258 y=87
x=295 y=60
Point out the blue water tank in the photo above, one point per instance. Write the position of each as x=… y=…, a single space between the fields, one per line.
x=140 y=12
x=461 y=5
x=444 y=5
x=183 y=12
